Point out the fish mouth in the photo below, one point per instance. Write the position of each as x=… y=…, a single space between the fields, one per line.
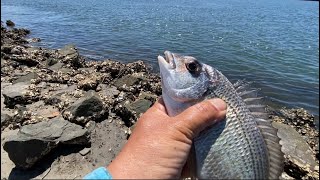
x=168 y=60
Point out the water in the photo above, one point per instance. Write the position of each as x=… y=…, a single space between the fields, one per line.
x=273 y=43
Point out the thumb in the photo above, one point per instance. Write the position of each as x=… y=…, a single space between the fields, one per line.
x=199 y=116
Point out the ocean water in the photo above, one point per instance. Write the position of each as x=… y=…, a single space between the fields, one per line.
x=274 y=44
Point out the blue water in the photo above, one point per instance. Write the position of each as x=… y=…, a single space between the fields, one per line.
x=273 y=43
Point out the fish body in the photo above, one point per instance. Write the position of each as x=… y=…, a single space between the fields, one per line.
x=245 y=145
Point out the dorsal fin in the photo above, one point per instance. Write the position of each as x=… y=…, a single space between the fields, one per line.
x=255 y=105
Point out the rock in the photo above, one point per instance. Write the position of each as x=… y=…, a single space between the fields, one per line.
x=129 y=112
x=18 y=50
x=108 y=91
x=34 y=141
x=90 y=82
x=26 y=78
x=10 y=23
x=139 y=106
x=6 y=49
x=85 y=109
x=40 y=112
x=85 y=151
x=56 y=97
x=16 y=94
x=5 y=120
x=25 y=152
x=34 y=40
x=125 y=82
x=303 y=122
x=298 y=155
x=70 y=55
x=25 y=60
x=51 y=62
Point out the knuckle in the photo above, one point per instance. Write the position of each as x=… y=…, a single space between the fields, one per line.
x=205 y=107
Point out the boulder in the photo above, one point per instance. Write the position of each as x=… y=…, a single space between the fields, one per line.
x=16 y=94
x=10 y=23
x=34 y=141
x=89 y=107
x=70 y=55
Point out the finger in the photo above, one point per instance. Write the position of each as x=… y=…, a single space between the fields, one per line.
x=201 y=115
x=159 y=106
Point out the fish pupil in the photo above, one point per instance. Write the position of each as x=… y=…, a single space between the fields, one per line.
x=192 y=67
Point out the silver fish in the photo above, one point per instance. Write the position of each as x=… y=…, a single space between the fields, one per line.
x=245 y=145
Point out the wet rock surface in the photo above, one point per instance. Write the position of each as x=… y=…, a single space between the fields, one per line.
x=63 y=115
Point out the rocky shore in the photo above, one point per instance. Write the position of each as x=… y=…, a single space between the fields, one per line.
x=63 y=115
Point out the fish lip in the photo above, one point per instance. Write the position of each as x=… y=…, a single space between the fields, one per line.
x=168 y=61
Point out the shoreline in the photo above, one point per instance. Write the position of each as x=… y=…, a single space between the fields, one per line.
x=43 y=90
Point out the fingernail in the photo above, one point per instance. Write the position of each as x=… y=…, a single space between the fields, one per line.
x=219 y=104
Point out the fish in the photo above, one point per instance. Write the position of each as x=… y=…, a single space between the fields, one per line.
x=243 y=146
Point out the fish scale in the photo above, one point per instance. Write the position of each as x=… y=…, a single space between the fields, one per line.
x=245 y=145
x=239 y=125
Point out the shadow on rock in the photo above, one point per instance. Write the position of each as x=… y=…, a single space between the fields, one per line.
x=45 y=163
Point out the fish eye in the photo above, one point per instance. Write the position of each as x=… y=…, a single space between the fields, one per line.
x=193 y=67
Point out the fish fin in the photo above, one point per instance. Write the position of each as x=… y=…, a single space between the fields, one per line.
x=258 y=111
x=189 y=170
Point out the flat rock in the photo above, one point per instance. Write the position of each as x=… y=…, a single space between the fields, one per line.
x=56 y=66
x=15 y=94
x=26 y=78
x=34 y=141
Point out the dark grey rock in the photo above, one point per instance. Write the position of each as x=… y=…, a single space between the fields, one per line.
x=70 y=55
x=25 y=60
x=139 y=106
x=6 y=49
x=86 y=108
x=25 y=152
x=5 y=120
x=34 y=141
x=51 y=62
x=26 y=78
x=10 y=23
x=126 y=81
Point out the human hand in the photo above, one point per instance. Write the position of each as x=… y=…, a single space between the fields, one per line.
x=159 y=145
